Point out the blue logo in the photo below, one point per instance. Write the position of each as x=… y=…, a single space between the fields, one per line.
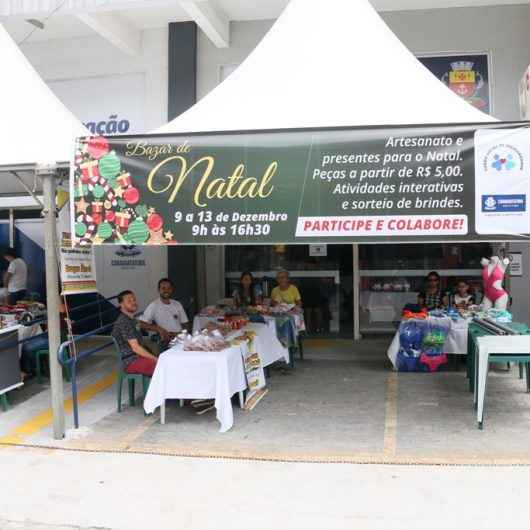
x=503 y=157
x=504 y=203
x=500 y=163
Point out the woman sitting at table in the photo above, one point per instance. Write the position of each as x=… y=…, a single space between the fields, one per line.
x=285 y=292
x=247 y=293
x=432 y=297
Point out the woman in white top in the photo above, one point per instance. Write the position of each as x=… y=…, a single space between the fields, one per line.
x=16 y=277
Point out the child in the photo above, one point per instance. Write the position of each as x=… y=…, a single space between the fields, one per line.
x=463 y=298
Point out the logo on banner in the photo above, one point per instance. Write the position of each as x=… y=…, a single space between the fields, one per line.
x=503 y=157
x=129 y=257
x=504 y=203
x=463 y=80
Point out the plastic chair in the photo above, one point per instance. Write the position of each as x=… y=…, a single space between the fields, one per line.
x=4 y=402
x=41 y=355
x=130 y=378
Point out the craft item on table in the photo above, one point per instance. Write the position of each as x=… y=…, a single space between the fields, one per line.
x=407 y=314
x=397 y=287
x=377 y=287
x=406 y=286
x=223 y=328
x=281 y=308
x=236 y=322
x=433 y=363
x=203 y=341
x=210 y=311
x=493 y=271
x=387 y=287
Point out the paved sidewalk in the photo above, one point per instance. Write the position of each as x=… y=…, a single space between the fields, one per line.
x=61 y=490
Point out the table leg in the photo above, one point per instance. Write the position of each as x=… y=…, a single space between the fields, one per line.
x=475 y=379
x=242 y=399
x=163 y=412
x=483 y=365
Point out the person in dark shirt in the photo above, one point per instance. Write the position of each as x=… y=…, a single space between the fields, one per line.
x=432 y=297
x=137 y=359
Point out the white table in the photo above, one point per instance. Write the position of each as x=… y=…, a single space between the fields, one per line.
x=183 y=374
x=498 y=345
x=455 y=343
x=386 y=306
x=266 y=342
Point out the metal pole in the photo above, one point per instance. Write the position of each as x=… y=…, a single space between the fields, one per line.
x=11 y=228
x=47 y=174
x=356 y=294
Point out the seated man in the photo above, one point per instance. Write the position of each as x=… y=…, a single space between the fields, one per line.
x=136 y=358
x=165 y=312
x=285 y=292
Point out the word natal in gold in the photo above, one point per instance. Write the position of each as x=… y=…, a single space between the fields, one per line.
x=232 y=187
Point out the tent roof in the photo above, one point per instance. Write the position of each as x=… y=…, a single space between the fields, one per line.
x=327 y=63
x=35 y=127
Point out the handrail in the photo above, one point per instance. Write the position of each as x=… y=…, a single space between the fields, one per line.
x=71 y=362
x=98 y=301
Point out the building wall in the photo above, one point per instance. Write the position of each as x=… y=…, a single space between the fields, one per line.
x=93 y=57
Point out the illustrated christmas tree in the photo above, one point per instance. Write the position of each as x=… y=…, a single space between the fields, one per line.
x=108 y=205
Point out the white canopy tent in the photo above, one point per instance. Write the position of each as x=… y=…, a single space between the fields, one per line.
x=327 y=63
x=37 y=139
x=35 y=128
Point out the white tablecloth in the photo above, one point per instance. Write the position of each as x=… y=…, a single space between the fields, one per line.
x=183 y=374
x=456 y=342
x=268 y=345
x=386 y=306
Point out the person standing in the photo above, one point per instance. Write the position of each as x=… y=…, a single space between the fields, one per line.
x=16 y=276
x=165 y=312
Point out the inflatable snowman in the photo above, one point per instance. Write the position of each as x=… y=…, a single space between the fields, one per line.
x=493 y=271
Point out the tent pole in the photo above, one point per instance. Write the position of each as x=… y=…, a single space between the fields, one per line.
x=356 y=294
x=11 y=228
x=48 y=176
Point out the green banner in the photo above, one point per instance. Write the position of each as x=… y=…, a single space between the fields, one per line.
x=428 y=183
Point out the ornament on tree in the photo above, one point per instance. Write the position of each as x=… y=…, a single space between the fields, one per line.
x=155 y=222
x=138 y=232
x=131 y=195
x=104 y=230
x=109 y=165
x=124 y=180
x=97 y=146
x=110 y=216
x=122 y=219
x=89 y=171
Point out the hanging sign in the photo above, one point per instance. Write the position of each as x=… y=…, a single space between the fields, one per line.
x=318 y=250
x=516 y=264
x=78 y=273
x=429 y=183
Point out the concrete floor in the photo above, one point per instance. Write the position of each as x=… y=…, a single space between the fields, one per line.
x=342 y=403
x=61 y=490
